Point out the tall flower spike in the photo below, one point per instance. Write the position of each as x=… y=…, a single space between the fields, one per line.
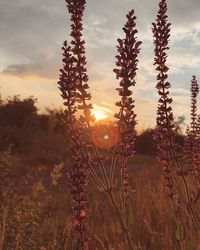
x=161 y=33
x=194 y=94
x=128 y=50
x=164 y=132
x=66 y=84
x=78 y=171
x=76 y=9
x=78 y=184
x=165 y=136
x=192 y=140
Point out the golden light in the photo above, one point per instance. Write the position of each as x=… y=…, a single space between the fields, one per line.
x=105 y=135
x=99 y=114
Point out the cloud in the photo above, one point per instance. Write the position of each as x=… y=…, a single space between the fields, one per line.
x=185 y=13
x=41 y=67
x=180 y=92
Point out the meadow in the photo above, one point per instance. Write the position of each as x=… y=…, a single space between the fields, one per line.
x=71 y=182
x=36 y=210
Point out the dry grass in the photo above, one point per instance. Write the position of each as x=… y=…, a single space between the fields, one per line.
x=43 y=219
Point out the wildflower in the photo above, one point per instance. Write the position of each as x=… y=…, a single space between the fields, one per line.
x=78 y=178
x=194 y=94
x=73 y=86
x=192 y=144
x=175 y=176
x=76 y=9
x=128 y=49
x=165 y=122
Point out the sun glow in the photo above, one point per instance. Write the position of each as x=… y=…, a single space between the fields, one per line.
x=99 y=114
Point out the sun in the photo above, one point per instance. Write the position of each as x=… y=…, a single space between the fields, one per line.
x=99 y=114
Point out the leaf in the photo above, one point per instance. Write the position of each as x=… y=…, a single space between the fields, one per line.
x=131 y=13
x=120 y=41
x=137 y=45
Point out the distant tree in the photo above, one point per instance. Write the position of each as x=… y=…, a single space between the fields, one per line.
x=145 y=144
x=18 y=112
x=57 y=120
x=38 y=136
x=17 y=121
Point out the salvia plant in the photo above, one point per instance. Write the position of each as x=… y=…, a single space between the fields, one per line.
x=126 y=63
x=193 y=131
x=86 y=158
x=175 y=174
x=164 y=135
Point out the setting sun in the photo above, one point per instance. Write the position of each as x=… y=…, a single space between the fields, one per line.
x=99 y=115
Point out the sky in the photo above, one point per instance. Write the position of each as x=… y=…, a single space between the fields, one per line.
x=31 y=37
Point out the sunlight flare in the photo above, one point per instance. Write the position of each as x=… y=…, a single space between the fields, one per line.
x=99 y=114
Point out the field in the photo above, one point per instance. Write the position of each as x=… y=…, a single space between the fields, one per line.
x=86 y=176
x=37 y=214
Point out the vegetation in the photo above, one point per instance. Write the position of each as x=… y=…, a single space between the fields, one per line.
x=119 y=196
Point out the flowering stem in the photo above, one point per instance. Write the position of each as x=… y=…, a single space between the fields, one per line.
x=127 y=59
x=75 y=74
x=113 y=163
x=165 y=120
x=119 y=216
